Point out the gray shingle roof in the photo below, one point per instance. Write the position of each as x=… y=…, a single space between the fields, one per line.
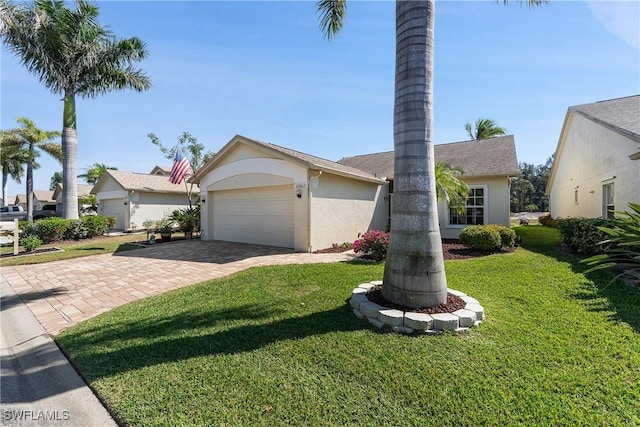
x=83 y=190
x=489 y=157
x=141 y=182
x=621 y=115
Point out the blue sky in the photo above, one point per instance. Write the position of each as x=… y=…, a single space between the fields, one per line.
x=264 y=70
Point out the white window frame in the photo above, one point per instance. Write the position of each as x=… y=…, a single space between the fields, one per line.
x=485 y=207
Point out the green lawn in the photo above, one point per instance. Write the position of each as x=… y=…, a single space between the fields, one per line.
x=73 y=249
x=280 y=346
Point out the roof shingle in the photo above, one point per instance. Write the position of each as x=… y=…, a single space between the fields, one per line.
x=620 y=114
x=489 y=157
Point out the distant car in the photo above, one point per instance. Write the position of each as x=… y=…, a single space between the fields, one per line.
x=11 y=212
x=46 y=211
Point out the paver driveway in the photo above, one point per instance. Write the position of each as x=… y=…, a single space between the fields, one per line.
x=63 y=293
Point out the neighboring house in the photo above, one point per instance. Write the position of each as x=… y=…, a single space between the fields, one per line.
x=134 y=198
x=161 y=170
x=256 y=192
x=596 y=167
x=83 y=191
x=488 y=167
x=40 y=198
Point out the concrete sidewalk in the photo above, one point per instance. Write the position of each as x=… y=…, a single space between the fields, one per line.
x=38 y=386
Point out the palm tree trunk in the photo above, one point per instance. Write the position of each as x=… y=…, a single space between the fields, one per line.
x=5 y=182
x=414 y=273
x=30 y=189
x=69 y=160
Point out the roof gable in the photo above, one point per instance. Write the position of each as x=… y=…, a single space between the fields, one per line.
x=489 y=157
x=83 y=190
x=621 y=115
x=303 y=159
x=142 y=182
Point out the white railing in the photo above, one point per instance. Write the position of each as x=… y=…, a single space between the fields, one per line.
x=11 y=229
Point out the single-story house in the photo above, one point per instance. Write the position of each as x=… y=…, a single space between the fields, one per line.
x=83 y=191
x=261 y=193
x=596 y=168
x=40 y=198
x=488 y=167
x=134 y=198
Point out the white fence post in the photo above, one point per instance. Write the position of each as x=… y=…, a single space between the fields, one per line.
x=16 y=236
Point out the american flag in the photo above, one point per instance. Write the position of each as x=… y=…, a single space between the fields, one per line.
x=180 y=167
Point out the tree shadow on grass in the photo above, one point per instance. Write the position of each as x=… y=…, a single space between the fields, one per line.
x=134 y=345
x=620 y=299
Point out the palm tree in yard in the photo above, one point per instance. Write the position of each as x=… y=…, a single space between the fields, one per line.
x=484 y=129
x=13 y=160
x=450 y=186
x=72 y=55
x=95 y=171
x=30 y=140
x=414 y=273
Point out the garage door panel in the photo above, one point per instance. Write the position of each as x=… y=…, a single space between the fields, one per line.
x=114 y=207
x=261 y=215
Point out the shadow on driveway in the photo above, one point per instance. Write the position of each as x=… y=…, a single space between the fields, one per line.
x=210 y=251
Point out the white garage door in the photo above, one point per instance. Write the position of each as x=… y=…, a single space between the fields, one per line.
x=262 y=216
x=114 y=207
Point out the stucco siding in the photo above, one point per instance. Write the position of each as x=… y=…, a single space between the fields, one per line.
x=496 y=206
x=341 y=208
x=153 y=206
x=589 y=156
x=110 y=185
x=244 y=151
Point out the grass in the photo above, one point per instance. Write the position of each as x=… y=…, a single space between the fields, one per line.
x=74 y=249
x=280 y=346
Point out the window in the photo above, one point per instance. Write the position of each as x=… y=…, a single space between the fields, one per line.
x=608 y=204
x=475 y=210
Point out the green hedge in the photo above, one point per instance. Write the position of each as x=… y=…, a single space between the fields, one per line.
x=583 y=236
x=490 y=237
x=54 y=229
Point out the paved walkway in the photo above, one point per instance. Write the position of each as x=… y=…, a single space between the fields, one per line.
x=63 y=293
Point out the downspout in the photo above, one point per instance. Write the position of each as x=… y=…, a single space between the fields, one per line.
x=309 y=195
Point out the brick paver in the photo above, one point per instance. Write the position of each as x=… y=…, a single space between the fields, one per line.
x=63 y=293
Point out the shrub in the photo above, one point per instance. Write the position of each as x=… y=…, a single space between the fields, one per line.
x=481 y=237
x=51 y=229
x=583 y=236
x=97 y=225
x=624 y=240
x=507 y=235
x=76 y=230
x=374 y=244
x=30 y=243
x=27 y=229
x=546 y=220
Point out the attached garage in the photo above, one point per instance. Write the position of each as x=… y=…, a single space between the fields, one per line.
x=114 y=207
x=262 y=215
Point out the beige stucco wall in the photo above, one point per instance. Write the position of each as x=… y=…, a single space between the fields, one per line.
x=341 y=208
x=496 y=205
x=589 y=156
x=153 y=206
x=245 y=167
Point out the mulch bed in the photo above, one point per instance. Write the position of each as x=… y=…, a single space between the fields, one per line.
x=33 y=252
x=451 y=249
x=453 y=303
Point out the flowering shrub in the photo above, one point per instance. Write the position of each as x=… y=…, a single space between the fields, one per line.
x=374 y=244
x=97 y=225
x=51 y=229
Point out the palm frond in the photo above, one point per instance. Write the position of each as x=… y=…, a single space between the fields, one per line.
x=332 y=15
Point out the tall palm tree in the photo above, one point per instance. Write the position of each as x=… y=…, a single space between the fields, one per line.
x=484 y=129
x=31 y=140
x=95 y=171
x=72 y=55
x=13 y=160
x=414 y=273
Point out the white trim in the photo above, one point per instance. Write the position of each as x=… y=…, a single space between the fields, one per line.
x=485 y=216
